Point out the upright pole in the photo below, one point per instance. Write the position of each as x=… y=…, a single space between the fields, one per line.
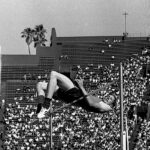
x=121 y=106
x=127 y=139
x=51 y=126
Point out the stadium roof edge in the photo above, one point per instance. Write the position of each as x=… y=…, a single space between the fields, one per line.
x=85 y=38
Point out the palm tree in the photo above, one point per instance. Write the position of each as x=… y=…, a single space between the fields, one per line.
x=39 y=36
x=28 y=33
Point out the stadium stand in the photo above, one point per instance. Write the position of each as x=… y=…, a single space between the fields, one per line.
x=74 y=128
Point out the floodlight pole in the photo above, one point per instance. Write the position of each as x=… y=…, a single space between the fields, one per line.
x=125 y=15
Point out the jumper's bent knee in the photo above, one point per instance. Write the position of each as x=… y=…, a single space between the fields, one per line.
x=53 y=74
x=41 y=85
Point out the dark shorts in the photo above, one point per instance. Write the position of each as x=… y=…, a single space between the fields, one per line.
x=71 y=95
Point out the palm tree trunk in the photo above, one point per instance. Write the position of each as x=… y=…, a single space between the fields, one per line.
x=29 y=50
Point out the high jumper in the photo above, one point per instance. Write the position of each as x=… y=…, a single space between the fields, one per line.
x=61 y=87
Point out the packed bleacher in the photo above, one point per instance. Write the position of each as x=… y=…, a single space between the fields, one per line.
x=143 y=141
x=73 y=127
x=20 y=133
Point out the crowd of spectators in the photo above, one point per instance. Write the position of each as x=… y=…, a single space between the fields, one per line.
x=143 y=141
x=73 y=127
x=20 y=131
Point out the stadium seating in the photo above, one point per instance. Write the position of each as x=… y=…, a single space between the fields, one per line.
x=73 y=127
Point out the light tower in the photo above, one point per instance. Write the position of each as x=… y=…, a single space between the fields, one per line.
x=125 y=15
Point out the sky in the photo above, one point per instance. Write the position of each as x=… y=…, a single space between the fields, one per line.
x=70 y=18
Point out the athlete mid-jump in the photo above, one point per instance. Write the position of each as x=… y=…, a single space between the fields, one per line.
x=61 y=87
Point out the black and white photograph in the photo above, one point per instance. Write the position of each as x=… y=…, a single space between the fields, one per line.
x=75 y=75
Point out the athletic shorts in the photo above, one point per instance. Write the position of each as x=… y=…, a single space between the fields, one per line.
x=71 y=95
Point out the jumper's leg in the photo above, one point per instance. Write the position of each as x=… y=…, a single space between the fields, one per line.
x=56 y=80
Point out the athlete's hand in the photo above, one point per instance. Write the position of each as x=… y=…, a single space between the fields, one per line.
x=79 y=81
